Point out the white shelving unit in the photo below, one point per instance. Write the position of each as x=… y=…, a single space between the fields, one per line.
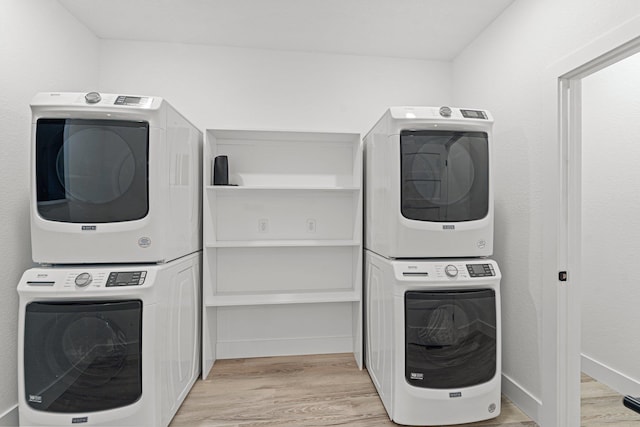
x=282 y=267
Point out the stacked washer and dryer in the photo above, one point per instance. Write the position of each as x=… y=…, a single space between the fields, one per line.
x=109 y=323
x=432 y=297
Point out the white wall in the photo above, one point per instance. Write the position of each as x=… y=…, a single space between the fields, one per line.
x=611 y=223
x=218 y=87
x=43 y=48
x=503 y=71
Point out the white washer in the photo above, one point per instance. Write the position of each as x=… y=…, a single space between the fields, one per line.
x=114 y=179
x=428 y=183
x=115 y=345
x=433 y=338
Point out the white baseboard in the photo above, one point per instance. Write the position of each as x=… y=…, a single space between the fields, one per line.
x=520 y=397
x=609 y=376
x=10 y=417
x=283 y=347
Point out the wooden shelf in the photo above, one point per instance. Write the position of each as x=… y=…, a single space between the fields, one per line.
x=241 y=188
x=283 y=298
x=280 y=243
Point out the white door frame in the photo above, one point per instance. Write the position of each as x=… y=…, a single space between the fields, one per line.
x=562 y=232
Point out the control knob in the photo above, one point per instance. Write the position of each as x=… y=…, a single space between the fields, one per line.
x=83 y=279
x=92 y=97
x=445 y=111
x=451 y=270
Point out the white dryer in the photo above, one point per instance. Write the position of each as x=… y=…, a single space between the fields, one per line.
x=428 y=183
x=114 y=178
x=433 y=338
x=115 y=345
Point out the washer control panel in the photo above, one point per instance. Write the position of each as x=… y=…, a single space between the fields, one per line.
x=446 y=270
x=126 y=278
x=87 y=280
x=480 y=270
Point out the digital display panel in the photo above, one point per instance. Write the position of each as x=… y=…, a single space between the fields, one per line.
x=473 y=114
x=133 y=100
x=124 y=277
x=477 y=268
x=480 y=270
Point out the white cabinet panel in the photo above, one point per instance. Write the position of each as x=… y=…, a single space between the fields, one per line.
x=286 y=269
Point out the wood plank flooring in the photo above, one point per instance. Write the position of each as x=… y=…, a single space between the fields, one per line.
x=601 y=406
x=318 y=390
x=329 y=390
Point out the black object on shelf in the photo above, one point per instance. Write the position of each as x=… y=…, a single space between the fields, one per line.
x=221 y=170
x=632 y=403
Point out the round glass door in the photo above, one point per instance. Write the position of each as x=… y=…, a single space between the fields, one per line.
x=91 y=171
x=444 y=175
x=84 y=356
x=450 y=338
x=95 y=165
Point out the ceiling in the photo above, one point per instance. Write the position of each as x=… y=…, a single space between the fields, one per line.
x=421 y=29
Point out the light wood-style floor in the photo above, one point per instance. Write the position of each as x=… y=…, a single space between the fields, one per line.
x=601 y=406
x=329 y=390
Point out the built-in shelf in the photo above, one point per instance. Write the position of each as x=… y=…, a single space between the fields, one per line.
x=240 y=188
x=283 y=298
x=280 y=243
x=282 y=257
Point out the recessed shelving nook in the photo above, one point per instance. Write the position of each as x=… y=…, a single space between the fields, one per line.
x=282 y=269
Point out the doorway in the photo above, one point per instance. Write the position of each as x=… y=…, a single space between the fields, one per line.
x=610 y=146
x=569 y=238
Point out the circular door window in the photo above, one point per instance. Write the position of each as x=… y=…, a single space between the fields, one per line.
x=90 y=348
x=95 y=165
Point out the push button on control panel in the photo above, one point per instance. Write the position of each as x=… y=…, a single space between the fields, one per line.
x=126 y=278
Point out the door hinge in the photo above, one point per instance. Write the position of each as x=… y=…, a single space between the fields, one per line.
x=562 y=276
